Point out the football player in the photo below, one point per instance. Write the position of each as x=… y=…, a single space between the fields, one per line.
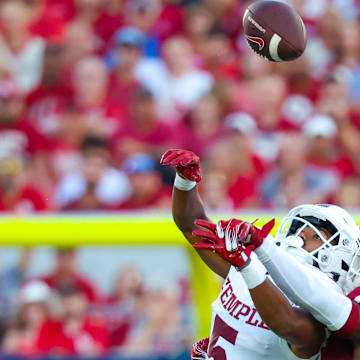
x=336 y=254
x=238 y=331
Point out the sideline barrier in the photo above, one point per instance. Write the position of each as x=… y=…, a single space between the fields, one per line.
x=128 y=230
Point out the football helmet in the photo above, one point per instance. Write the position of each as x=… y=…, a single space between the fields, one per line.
x=338 y=256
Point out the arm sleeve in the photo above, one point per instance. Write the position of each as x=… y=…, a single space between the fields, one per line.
x=306 y=286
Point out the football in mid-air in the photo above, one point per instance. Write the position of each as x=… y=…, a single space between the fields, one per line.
x=274 y=30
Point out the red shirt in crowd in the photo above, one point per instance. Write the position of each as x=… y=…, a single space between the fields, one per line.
x=44 y=106
x=53 y=338
x=160 y=198
x=105 y=27
x=341 y=164
x=169 y=22
x=122 y=93
x=198 y=144
x=159 y=134
x=78 y=281
x=51 y=22
x=110 y=113
x=27 y=199
x=245 y=189
x=19 y=138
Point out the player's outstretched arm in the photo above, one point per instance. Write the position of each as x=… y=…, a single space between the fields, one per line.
x=301 y=331
x=298 y=327
x=186 y=202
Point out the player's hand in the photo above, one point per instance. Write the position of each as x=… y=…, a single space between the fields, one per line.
x=199 y=350
x=242 y=232
x=211 y=240
x=186 y=163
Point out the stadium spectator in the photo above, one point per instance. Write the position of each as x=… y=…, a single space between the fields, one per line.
x=18 y=193
x=123 y=304
x=21 y=52
x=22 y=153
x=111 y=19
x=87 y=336
x=50 y=18
x=323 y=152
x=158 y=333
x=12 y=279
x=203 y=124
x=219 y=58
x=46 y=102
x=324 y=47
x=227 y=14
x=214 y=191
x=350 y=51
x=65 y=156
x=158 y=19
x=126 y=56
x=175 y=81
x=268 y=104
x=199 y=21
x=96 y=184
x=292 y=182
x=348 y=195
x=79 y=43
x=233 y=155
x=143 y=131
x=18 y=137
x=182 y=84
x=87 y=10
x=91 y=80
x=35 y=310
x=148 y=190
x=65 y=273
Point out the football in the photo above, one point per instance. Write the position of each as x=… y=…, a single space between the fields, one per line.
x=274 y=30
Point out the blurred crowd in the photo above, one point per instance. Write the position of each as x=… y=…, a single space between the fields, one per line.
x=63 y=314
x=92 y=92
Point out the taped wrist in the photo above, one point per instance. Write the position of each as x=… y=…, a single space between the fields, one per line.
x=254 y=274
x=183 y=184
x=305 y=285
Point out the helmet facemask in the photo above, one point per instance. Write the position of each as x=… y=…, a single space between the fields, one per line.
x=338 y=256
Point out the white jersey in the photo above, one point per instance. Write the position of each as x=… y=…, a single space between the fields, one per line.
x=237 y=330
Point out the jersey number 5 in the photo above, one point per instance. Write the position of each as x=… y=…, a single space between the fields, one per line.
x=222 y=338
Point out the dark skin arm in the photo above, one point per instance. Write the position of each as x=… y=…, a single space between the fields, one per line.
x=186 y=208
x=304 y=334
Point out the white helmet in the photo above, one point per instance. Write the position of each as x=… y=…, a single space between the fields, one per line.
x=340 y=261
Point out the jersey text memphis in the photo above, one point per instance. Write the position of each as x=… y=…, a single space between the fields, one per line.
x=237 y=330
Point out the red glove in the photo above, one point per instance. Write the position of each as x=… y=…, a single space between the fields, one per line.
x=199 y=350
x=211 y=241
x=239 y=231
x=186 y=163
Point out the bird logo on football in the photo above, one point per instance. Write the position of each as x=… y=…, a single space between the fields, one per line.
x=274 y=30
x=257 y=40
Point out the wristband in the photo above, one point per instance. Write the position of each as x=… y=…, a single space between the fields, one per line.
x=183 y=184
x=254 y=274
